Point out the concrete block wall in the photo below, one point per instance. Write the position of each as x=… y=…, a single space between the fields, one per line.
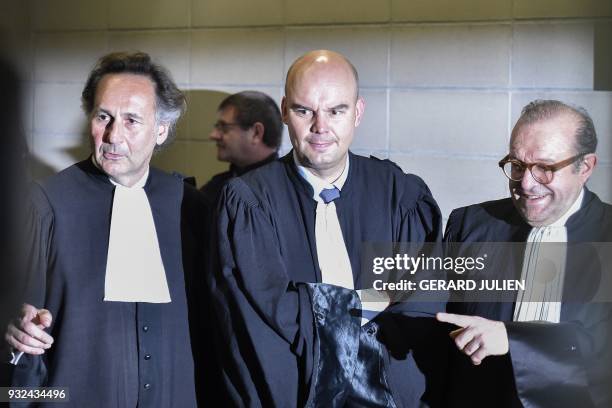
x=444 y=80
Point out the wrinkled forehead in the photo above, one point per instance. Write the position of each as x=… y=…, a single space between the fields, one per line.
x=549 y=137
x=126 y=88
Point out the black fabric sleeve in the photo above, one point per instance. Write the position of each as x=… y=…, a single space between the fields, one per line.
x=31 y=370
x=39 y=232
x=266 y=320
x=563 y=364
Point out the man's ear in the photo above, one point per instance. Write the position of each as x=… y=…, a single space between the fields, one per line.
x=258 y=132
x=587 y=165
x=162 y=133
x=359 y=109
x=284 y=110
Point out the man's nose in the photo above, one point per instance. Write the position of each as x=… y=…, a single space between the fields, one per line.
x=113 y=133
x=215 y=134
x=528 y=182
x=320 y=123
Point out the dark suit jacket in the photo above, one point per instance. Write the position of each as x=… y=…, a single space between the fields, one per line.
x=549 y=365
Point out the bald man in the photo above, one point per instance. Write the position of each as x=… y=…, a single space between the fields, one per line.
x=287 y=286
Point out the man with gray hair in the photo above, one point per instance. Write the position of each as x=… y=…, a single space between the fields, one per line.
x=107 y=264
x=550 y=347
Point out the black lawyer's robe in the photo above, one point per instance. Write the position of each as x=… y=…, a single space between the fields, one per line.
x=268 y=263
x=212 y=189
x=115 y=354
x=549 y=365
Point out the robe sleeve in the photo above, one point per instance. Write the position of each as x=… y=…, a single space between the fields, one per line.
x=31 y=370
x=247 y=243
x=420 y=224
x=421 y=218
x=566 y=363
x=39 y=232
x=196 y=214
x=267 y=321
x=415 y=342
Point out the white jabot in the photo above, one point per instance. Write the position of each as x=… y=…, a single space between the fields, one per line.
x=334 y=262
x=544 y=271
x=134 y=268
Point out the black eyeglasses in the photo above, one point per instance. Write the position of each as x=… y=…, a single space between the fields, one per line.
x=514 y=169
x=225 y=127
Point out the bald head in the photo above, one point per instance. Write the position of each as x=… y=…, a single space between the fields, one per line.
x=330 y=62
x=322 y=109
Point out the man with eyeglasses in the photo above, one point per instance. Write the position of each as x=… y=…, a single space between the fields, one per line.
x=248 y=133
x=540 y=350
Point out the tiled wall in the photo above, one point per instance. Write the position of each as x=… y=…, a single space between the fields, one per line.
x=444 y=80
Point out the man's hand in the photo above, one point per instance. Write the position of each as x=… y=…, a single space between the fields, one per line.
x=477 y=337
x=27 y=333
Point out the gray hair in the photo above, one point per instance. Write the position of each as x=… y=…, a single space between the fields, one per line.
x=170 y=102
x=538 y=110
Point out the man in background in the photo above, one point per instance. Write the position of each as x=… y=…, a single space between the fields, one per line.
x=248 y=133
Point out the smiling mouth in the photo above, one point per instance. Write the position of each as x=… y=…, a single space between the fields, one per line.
x=530 y=198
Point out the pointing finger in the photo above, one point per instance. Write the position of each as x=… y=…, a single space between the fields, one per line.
x=458 y=320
